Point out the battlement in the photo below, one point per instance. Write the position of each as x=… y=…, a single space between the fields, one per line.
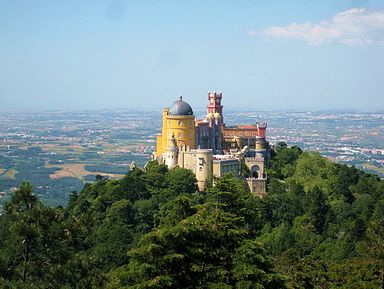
x=261 y=124
x=255 y=179
x=215 y=94
x=254 y=159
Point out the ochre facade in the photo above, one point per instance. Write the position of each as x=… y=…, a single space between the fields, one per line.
x=182 y=127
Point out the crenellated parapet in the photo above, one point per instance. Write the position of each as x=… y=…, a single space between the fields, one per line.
x=261 y=124
x=254 y=159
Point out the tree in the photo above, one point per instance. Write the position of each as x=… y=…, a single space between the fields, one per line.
x=316 y=206
x=113 y=237
x=308 y=273
x=283 y=161
x=312 y=170
x=197 y=250
x=252 y=268
x=375 y=247
x=25 y=213
x=181 y=180
x=39 y=243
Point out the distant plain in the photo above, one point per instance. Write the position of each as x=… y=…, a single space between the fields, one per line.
x=59 y=151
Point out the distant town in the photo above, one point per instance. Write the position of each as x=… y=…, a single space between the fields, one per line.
x=59 y=151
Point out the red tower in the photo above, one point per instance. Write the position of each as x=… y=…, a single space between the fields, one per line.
x=261 y=128
x=214 y=103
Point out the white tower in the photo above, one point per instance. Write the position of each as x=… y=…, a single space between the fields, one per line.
x=204 y=163
x=171 y=153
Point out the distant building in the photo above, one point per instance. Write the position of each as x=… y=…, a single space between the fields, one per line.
x=208 y=148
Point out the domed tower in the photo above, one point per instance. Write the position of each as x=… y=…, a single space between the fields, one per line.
x=178 y=122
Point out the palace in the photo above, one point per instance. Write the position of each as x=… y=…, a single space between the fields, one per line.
x=210 y=148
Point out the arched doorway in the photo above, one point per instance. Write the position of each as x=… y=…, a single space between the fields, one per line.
x=255 y=171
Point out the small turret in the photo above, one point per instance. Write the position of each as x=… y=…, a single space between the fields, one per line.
x=259 y=144
x=171 y=153
x=204 y=163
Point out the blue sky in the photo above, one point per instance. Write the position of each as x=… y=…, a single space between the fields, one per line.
x=263 y=55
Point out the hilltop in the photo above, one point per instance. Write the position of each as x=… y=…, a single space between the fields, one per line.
x=321 y=226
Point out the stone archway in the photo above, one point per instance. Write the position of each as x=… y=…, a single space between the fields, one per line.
x=256 y=167
x=255 y=171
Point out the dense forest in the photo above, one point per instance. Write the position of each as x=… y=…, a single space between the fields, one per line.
x=321 y=226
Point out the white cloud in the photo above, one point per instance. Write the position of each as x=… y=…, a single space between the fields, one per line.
x=356 y=26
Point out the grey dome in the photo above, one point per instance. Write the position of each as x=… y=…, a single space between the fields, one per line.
x=180 y=107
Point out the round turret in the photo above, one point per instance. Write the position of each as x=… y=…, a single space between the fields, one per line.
x=171 y=154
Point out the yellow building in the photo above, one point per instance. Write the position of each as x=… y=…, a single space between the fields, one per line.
x=178 y=121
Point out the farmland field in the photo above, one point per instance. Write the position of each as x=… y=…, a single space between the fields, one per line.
x=58 y=152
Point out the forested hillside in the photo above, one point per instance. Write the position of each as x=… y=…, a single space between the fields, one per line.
x=321 y=226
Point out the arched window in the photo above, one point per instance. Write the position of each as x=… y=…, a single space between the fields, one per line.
x=255 y=171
